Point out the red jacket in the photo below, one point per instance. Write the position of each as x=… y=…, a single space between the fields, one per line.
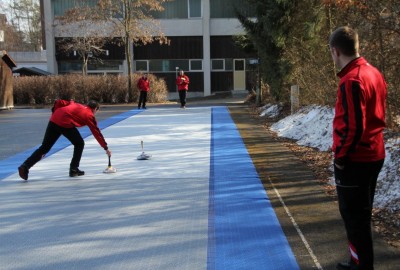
x=359 y=118
x=182 y=82
x=68 y=114
x=143 y=84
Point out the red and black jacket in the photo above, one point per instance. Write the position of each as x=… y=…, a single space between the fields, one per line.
x=182 y=82
x=359 y=118
x=143 y=84
x=68 y=114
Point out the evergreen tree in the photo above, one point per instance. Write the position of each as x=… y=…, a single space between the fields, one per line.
x=269 y=33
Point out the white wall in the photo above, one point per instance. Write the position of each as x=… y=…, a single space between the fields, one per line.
x=225 y=27
x=194 y=27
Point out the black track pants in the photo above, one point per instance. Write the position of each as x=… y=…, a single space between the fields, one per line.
x=53 y=133
x=182 y=97
x=142 y=99
x=355 y=187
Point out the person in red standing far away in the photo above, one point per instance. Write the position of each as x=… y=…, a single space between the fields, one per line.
x=143 y=85
x=182 y=81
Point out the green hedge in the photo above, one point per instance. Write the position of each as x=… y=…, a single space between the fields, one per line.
x=112 y=89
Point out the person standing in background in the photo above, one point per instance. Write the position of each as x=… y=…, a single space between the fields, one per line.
x=182 y=81
x=358 y=143
x=143 y=85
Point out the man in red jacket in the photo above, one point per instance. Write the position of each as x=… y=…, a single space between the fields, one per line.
x=358 y=144
x=143 y=85
x=66 y=117
x=182 y=81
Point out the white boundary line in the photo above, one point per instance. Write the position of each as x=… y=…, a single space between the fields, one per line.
x=299 y=232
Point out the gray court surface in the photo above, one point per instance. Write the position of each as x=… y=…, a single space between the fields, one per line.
x=150 y=214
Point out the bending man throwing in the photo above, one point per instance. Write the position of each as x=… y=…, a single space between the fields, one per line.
x=66 y=117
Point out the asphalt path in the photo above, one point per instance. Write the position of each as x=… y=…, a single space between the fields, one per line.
x=309 y=217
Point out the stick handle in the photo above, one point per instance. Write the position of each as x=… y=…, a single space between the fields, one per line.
x=109 y=161
x=141 y=143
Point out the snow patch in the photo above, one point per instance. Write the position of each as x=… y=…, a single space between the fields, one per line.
x=312 y=126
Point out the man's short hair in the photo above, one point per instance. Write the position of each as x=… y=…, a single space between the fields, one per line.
x=345 y=39
x=93 y=104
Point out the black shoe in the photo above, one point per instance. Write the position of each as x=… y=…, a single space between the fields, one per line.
x=23 y=172
x=346 y=266
x=75 y=172
x=144 y=108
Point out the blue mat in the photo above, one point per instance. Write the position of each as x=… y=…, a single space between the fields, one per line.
x=244 y=232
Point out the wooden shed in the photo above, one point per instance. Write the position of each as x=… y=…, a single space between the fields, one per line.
x=6 y=81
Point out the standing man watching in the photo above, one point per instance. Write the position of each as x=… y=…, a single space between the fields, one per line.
x=358 y=144
x=182 y=81
x=143 y=85
x=66 y=117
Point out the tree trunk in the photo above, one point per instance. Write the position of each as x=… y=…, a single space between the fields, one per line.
x=85 y=64
x=129 y=62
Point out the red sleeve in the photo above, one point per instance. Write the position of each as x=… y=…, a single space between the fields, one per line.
x=92 y=124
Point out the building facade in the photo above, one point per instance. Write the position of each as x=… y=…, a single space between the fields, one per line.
x=201 y=43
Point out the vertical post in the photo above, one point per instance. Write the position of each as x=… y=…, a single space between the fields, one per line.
x=259 y=97
x=294 y=98
x=176 y=76
x=256 y=62
x=206 y=47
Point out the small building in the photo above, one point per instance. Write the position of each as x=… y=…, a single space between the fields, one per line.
x=6 y=81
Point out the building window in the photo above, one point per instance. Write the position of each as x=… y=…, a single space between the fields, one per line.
x=195 y=8
x=228 y=64
x=60 y=6
x=75 y=66
x=69 y=66
x=105 y=65
x=142 y=65
x=217 y=64
x=180 y=9
x=196 y=65
x=168 y=65
x=239 y=64
x=177 y=9
x=226 y=8
x=172 y=65
x=158 y=65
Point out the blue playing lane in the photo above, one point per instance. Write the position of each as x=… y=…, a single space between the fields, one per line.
x=244 y=232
